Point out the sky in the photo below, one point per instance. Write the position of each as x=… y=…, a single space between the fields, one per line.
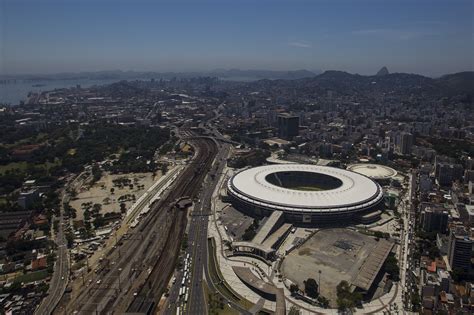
x=428 y=37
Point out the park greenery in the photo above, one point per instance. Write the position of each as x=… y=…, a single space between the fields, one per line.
x=346 y=299
x=62 y=149
x=294 y=310
x=391 y=267
x=311 y=288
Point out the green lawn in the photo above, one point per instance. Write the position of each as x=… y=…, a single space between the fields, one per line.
x=11 y=166
x=308 y=188
x=23 y=165
x=32 y=276
x=212 y=307
x=223 y=286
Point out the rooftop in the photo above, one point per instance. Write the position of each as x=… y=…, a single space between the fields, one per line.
x=354 y=191
x=265 y=230
x=374 y=171
x=372 y=265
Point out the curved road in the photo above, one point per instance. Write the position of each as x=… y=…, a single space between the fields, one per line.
x=58 y=283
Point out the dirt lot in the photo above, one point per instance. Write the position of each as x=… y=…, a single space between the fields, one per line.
x=338 y=253
x=100 y=192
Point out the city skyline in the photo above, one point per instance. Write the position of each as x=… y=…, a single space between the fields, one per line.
x=426 y=37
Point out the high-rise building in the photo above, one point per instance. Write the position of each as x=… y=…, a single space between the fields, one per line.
x=405 y=143
x=288 y=126
x=425 y=183
x=435 y=219
x=447 y=173
x=460 y=248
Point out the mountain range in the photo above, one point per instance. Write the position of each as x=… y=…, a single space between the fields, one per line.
x=230 y=74
x=344 y=83
x=461 y=83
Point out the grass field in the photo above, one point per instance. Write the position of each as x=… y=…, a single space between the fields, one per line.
x=216 y=274
x=21 y=166
x=32 y=276
x=212 y=305
x=307 y=188
x=11 y=166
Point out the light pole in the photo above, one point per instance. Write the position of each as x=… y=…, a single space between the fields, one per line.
x=319 y=286
x=120 y=272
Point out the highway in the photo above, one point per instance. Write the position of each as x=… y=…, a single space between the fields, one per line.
x=408 y=244
x=162 y=271
x=412 y=265
x=59 y=279
x=198 y=236
x=198 y=251
x=204 y=250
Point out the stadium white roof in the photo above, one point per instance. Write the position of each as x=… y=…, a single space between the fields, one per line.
x=357 y=192
x=374 y=171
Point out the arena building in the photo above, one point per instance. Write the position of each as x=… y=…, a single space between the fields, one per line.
x=380 y=173
x=307 y=194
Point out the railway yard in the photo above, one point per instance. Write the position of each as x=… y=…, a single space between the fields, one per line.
x=134 y=274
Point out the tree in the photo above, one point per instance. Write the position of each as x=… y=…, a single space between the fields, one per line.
x=73 y=212
x=112 y=190
x=294 y=311
x=123 y=207
x=70 y=239
x=324 y=301
x=345 y=298
x=99 y=221
x=87 y=215
x=344 y=304
x=96 y=173
x=391 y=267
x=164 y=168
x=50 y=259
x=433 y=251
x=311 y=288
x=96 y=209
x=294 y=288
x=415 y=300
x=184 y=242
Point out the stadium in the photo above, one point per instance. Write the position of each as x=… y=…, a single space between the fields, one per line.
x=380 y=173
x=306 y=194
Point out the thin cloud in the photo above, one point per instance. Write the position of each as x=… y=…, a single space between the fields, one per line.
x=391 y=33
x=300 y=44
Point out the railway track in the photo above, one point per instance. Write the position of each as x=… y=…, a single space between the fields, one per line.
x=136 y=272
x=154 y=287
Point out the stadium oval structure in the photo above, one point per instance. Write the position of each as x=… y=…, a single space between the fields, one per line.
x=307 y=194
x=380 y=173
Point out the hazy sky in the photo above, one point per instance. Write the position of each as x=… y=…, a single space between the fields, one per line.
x=428 y=37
